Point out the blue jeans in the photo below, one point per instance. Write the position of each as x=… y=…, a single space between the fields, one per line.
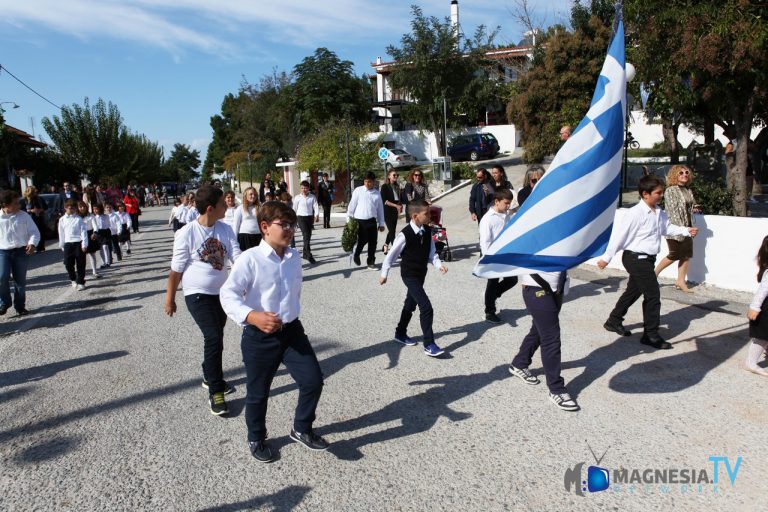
x=209 y=316
x=13 y=262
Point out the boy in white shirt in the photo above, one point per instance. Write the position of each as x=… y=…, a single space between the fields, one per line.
x=18 y=238
x=263 y=295
x=307 y=212
x=639 y=235
x=200 y=251
x=491 y=225
x=73 y=241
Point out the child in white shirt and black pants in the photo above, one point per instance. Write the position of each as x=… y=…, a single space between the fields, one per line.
x=639 y=235
x=263 y=294
x=73 y=240
x=491 y=225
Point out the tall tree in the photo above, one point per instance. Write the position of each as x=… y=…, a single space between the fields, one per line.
x=182 y=165
x=710 y=55
x=326 y=88
x=558 y=88
x=435 y=65
x=94 y=140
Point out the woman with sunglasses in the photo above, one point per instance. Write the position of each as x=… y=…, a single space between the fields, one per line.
x=680 y=206
x=532 y=176
x=416 y=188
x=390 y=194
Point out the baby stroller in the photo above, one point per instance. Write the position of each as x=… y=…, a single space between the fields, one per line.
x=439 y=234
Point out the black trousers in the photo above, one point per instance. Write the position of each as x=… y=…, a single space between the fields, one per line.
x=248 y=240
x=544 y=333
x=135 y=221
x=642 y=281
x=115 y=240
x=209 y=316
x=262 y=355
x=305 y=225
x=74 y=262
x=416 y=296
x=367 y=233
x=390 y=219
x=494 y=289
x=327 y=214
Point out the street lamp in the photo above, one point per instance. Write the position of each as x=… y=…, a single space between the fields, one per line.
x=629 y=71
x=6 y=103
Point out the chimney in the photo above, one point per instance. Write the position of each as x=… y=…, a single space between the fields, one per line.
x=455 y=17
x=378 y=60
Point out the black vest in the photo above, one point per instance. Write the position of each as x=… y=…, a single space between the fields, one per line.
x=415 y=255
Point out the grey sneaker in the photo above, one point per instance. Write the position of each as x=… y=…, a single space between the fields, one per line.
x=310 y=440
x=564 y=401
x=524 y=375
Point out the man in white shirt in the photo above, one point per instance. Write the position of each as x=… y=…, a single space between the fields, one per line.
x=307 y=212
x=200 y=251
x=367 y=208
x=639 y=235
x=263 y=295
x=491 y=225
x=18 y=238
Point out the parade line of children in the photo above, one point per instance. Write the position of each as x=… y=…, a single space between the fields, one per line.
x=84 y=232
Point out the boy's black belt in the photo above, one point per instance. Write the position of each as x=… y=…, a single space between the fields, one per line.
x=640 y=253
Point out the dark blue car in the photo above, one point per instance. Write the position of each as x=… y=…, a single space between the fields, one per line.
x=473 y=146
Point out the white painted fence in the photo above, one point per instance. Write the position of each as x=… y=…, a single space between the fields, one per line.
x=723 y=252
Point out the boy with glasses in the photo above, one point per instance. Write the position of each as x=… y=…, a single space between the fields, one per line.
x=262 y=294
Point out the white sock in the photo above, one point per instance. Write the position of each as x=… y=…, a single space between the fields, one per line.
x=92 y=257
x=754 y=351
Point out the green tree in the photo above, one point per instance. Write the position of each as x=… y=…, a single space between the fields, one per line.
x=435 y=65
x=326 y=88
x=708 y=58
x=559 y=87
x=327 y=150
x=94 y=140
x=182 y=165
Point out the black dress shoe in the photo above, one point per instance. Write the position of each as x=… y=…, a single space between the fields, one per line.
x=22 y=312
x=260 y=451
x=617 y=328
x=657 y=343
x=312 y=259
x=3 y=309
x=356 y=259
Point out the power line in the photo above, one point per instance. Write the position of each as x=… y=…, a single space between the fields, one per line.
x=28 y=87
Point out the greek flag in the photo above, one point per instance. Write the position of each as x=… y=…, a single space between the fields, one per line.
x=568 y=217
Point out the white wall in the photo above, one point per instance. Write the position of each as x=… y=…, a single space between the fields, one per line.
x=422 y=145
x=723 y=252
x=649 y=134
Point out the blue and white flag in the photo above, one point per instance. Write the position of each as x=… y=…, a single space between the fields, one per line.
x=568 y=217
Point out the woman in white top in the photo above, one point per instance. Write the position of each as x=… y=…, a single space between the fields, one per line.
x=245 y=224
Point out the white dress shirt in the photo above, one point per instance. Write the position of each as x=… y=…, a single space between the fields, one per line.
x=262 y=281
x=191 y=215
x=100 y=222
x=72 y=229
x=202 y=262
x=491 y=226
x=641 y=230
x=17 y=230
x=229 y=218
x=760 y=294
x=125 y=218
x=399 y=244
x=306 y=206
x=115 y=224
x=247 y=223
x=366 y=204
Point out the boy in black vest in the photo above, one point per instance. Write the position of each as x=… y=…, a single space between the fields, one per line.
x=415 y=244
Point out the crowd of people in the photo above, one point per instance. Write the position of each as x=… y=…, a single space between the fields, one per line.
x=214 y=231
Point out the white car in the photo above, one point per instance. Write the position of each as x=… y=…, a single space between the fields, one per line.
x=399 y=158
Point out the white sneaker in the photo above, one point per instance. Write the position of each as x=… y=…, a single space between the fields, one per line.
x=74 y=284
x=564 y=401
x=80 y=287
x=96 y=275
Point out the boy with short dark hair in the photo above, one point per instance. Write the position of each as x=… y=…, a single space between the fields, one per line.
x=73 y=241
x=491 y=225
x=639 y=235
x=367 y=207
x=18 y=238
x=262 y=294
x=415 y=244
x=307 y=212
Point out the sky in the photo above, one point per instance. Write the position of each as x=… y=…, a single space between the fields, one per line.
x=167 y=64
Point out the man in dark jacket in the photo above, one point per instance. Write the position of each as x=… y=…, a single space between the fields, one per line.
x=481 y=195
x=325 y=194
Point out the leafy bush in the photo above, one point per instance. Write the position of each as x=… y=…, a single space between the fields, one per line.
x=462 y=171
x=713 y=198
x=349 y=235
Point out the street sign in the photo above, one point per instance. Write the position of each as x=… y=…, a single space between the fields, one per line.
x=383 y=153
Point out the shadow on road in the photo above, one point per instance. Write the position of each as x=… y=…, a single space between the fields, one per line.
x=44 y=371
x=283 y=500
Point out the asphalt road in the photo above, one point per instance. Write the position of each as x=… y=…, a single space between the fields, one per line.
x=101 y=406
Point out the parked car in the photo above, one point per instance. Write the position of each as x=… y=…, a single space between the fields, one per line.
x=398 y=158
x=473 y=146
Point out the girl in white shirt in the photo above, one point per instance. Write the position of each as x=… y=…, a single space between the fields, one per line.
x=125 y=227
x=93 y=242
x=758 y=322
x=103 y=232
x=172 y=220
x=229 y=215
x=115 y=225
x=245 y=224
